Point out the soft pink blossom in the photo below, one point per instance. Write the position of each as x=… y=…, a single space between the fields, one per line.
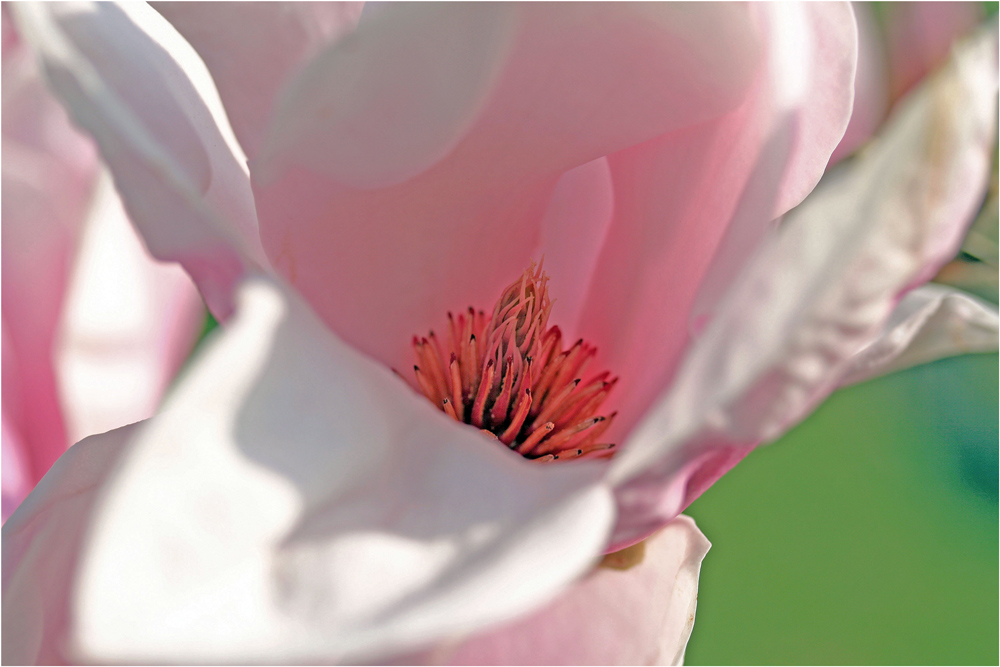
x=295 y=501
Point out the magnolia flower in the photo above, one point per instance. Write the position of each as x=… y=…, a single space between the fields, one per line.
x=294 y=500
x=92 y=327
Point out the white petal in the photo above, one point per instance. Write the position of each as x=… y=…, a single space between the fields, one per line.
x=127 y=325
x=931 y=322
x=820 y=290
x=294 y=501
x=181 y=184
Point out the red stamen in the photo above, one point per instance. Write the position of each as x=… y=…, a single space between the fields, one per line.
x=552 y=404
x=472 y=364
x=520 y=412
x=479 y=407
x=602 y=451
x=509 y=375
x=499 y=412
x=425 y=385
x=549 y=374
x=430 y=362
x=535 y=437
x=568 y=409
x=558 y=440
x=456 y=384
x=591 y=436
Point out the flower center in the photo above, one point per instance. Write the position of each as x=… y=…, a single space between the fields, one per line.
x=511 y=377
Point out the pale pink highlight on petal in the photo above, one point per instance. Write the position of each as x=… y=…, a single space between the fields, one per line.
x=639 y=616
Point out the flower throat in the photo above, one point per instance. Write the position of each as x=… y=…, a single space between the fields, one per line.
x=511 y=377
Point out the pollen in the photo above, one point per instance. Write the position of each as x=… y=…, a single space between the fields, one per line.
x=511 y=375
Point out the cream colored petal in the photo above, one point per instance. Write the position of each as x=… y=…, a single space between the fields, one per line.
x=931 y=322
x=821 y=289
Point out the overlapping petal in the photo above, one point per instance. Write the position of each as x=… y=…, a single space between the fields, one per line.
x=127 y=325
x=380 y=264
x=871 y=84
x=318 y=510
x=41 y=549
x=819 y=291
x=251 y=48
x=295 y=501
x=48 y=174
x=639 y=616
x=930 y=323
x=179 y=180
x=692 y=205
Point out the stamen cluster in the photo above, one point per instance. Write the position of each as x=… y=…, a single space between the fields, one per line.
x=510 y=376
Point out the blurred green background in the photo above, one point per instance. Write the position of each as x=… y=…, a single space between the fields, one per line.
x=867 y=535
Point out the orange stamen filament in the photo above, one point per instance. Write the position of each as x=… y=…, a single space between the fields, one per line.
x=509 y=375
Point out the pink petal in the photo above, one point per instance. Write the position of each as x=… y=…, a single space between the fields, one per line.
x=383 y=104
x=819 y=292
x=252 y=47
x=41 y=549
x=396 y=96
x=640 y=616
x=931 y=322
x=17 y=480
x=650 y=502
x=181 y=185
x=379 y=265
x=128 y=324
x=691 y=206
x=871 y=84
x=920 y=35
x=48 y=173
x=294 y=501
